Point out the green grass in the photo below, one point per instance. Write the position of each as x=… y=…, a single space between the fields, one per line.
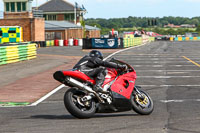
x=14 y=103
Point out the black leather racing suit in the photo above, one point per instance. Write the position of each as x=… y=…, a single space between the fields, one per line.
x=94 y=67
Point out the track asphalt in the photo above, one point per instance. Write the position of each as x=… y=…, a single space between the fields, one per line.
x=168 y=71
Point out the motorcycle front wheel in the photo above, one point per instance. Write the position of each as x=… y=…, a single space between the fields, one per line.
x=142 y=106
x=75 y=107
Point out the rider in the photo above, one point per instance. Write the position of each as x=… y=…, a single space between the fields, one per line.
x=94 y=66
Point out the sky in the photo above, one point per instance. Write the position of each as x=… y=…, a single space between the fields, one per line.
x=139 y=8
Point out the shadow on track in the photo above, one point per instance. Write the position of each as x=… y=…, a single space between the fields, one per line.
x=52 y=117
x=62 y=117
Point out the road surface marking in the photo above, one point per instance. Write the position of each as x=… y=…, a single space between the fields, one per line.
x=169 y=85
x=168 y=70
x=192 y=61
x=48 y=95
x=167 y=77
x=156 y=62
x=161 y=65
x=180 y=101
x=123 y=50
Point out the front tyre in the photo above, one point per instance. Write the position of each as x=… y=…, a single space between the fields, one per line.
x=75 y=107
x=142 y=106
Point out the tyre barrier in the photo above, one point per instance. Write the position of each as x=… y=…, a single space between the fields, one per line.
x=16 y=53
x=50 y=43
x=87 y=43
x=75 y=42
x=70 y=42
x=61 y=43
x=40 y=43
x=131 y=42
x=185 y=39
x=145 y=39
x=120 y=43
x=151 y=39
x=135 y=41
x=56 y=42
x=66 y=43
x=80 y=42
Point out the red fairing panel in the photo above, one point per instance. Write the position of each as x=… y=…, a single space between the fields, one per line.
x=124 y=85
x=79 y=75
x=111 y=74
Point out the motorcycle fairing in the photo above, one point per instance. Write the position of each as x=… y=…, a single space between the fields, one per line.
x=110 y=76
x=124 y=84
x=119 y=104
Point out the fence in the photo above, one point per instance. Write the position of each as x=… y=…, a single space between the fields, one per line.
x=16 y=53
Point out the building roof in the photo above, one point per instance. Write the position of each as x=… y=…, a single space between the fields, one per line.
x=60 y=25
x=57 y=6
x=91 y=28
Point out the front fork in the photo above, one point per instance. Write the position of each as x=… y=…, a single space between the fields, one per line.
x=138 y=93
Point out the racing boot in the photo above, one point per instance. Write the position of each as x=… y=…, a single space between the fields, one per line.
x=98 y=88
x=99 y=82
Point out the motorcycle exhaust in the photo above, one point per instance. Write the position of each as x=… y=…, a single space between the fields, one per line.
x=76 y=83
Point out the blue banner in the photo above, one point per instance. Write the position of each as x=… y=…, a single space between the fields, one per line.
x=105 y=43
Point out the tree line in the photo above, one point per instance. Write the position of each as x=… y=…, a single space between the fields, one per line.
x=142 y=22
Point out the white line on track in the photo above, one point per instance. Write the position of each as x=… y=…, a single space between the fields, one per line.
x=168 y=70
x=180 y=101
x=163 y=55
x=155 y=59
x=162 y=65
x=48 y=95
x=61 y=86
x=180 y=65
x=156 y=62
x=169 y=85
x=122 y=51
x=167 y=77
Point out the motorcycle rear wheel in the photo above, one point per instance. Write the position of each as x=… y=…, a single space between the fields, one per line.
x=74 y=106
x=142 y=107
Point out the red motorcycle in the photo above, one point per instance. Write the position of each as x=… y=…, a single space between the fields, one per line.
x=121 y=94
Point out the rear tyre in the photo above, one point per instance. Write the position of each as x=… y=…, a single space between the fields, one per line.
x=77 y=108
x=143 y=107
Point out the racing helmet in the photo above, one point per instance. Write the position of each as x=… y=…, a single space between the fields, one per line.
x=96 y=53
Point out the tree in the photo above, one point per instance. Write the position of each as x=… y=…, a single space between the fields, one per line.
x=95 y=25
x=195 y=21
x=198 y=28
x=143 y=22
